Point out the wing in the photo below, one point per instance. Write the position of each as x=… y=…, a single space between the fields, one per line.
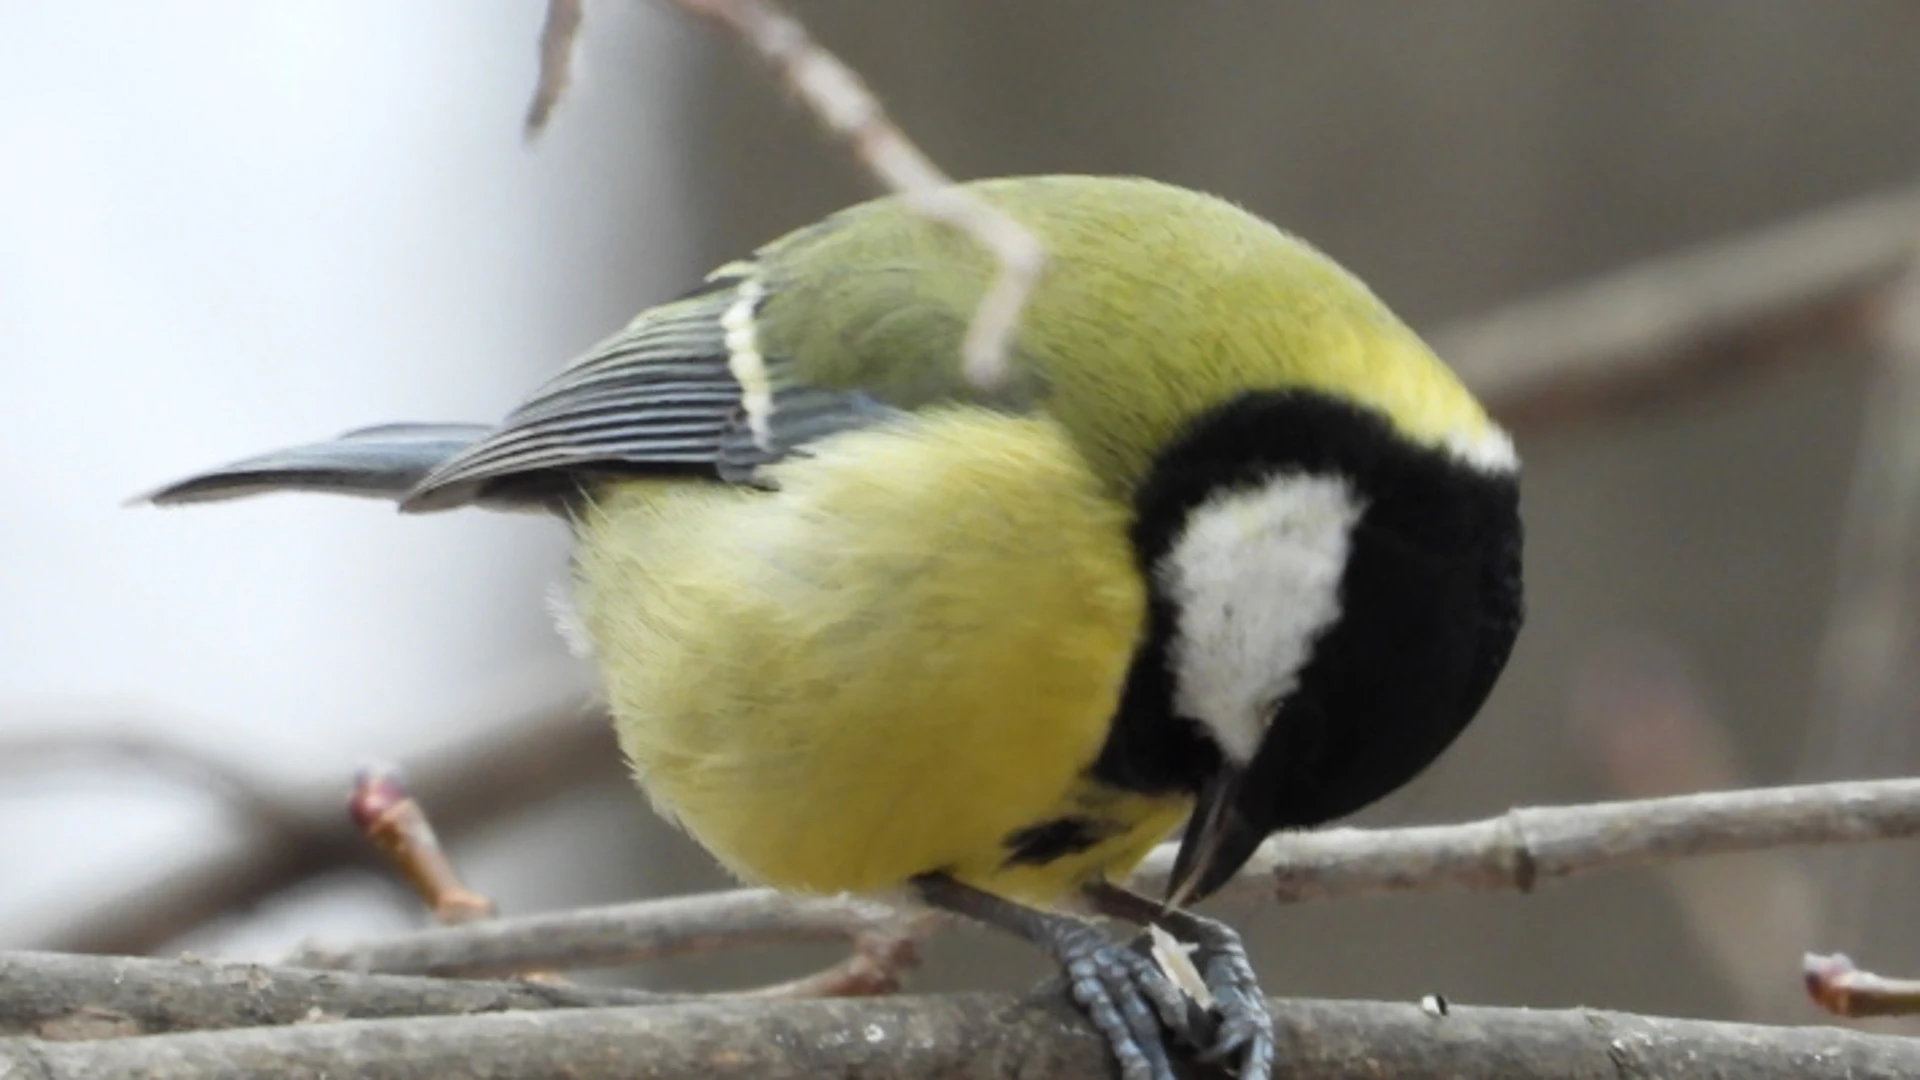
x=833 y=327
x=685 y=389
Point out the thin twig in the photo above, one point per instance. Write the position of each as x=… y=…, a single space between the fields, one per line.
x=382 y=808
x=1621 y=338
x=608 y=936
x=1662 y=325
x=1837 y=986
x=558 y=34
x=878 y=964
x=963 y=1037
x=881 y=957
x=884 y=947
x=1523 y=848
x=516 y=764
x=1516 y=850
x=850 y=112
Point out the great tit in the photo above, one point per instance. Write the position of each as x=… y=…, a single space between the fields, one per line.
x=1230 y=545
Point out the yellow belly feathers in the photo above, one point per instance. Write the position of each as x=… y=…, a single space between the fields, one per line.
x=907 y=653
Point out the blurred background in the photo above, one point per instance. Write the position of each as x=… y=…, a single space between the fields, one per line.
x=225 y=226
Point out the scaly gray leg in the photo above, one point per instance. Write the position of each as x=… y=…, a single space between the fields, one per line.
x=1243 y=1034
x=1123 y=992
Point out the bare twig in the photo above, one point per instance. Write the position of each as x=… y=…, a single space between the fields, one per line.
x=61 y=996
x=963 y=1037
x=885 y=944
x=848 y=110
x=1517 y=850
x=1661 y=325
x=517 y=764
x=1620 y=338
x=384 y=810
x=607 y=936
x=879 y=962
x=1522 y=848
x=557 y=38
x=1837 y=986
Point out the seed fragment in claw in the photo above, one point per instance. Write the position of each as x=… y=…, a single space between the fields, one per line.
x=1175 y=958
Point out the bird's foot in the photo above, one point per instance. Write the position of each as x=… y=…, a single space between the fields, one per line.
x=1126 y=995
x=1133 y=998
x=1242 y=1030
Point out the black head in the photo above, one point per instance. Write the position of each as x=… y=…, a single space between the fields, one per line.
x=1330 y=605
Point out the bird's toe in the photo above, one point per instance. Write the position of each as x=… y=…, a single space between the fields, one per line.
x=1127 y=998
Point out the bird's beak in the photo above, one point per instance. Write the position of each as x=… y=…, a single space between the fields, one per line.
x=1218 y=841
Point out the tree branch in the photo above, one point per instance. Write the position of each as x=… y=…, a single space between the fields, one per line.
x=1514 y=851
x=1836 y=985
x=59 y=996
x=1524 y=847
x=837 y=97
x=1660 y=325
x=515 y=765
x=1618 y=339
x=966 y=1036
x=608 y=936
x=877 y=964
x=384 y=810
x=557 y=37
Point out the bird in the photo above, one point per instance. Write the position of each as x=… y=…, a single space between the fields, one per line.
x=1227 y=551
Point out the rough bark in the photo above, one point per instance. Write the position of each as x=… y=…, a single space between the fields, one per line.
x=966 y=1037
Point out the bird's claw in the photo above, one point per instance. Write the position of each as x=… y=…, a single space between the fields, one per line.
x=1241 y=1034
x=1135 y=1004
x=1127 y=997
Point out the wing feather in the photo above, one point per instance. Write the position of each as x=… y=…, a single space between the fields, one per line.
x=663 y=395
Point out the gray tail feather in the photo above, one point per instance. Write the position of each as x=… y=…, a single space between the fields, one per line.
x=382 y=462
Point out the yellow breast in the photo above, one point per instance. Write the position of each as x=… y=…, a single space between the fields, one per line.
x=907 y=654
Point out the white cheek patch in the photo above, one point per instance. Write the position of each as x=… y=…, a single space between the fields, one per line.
x=1255 y=579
